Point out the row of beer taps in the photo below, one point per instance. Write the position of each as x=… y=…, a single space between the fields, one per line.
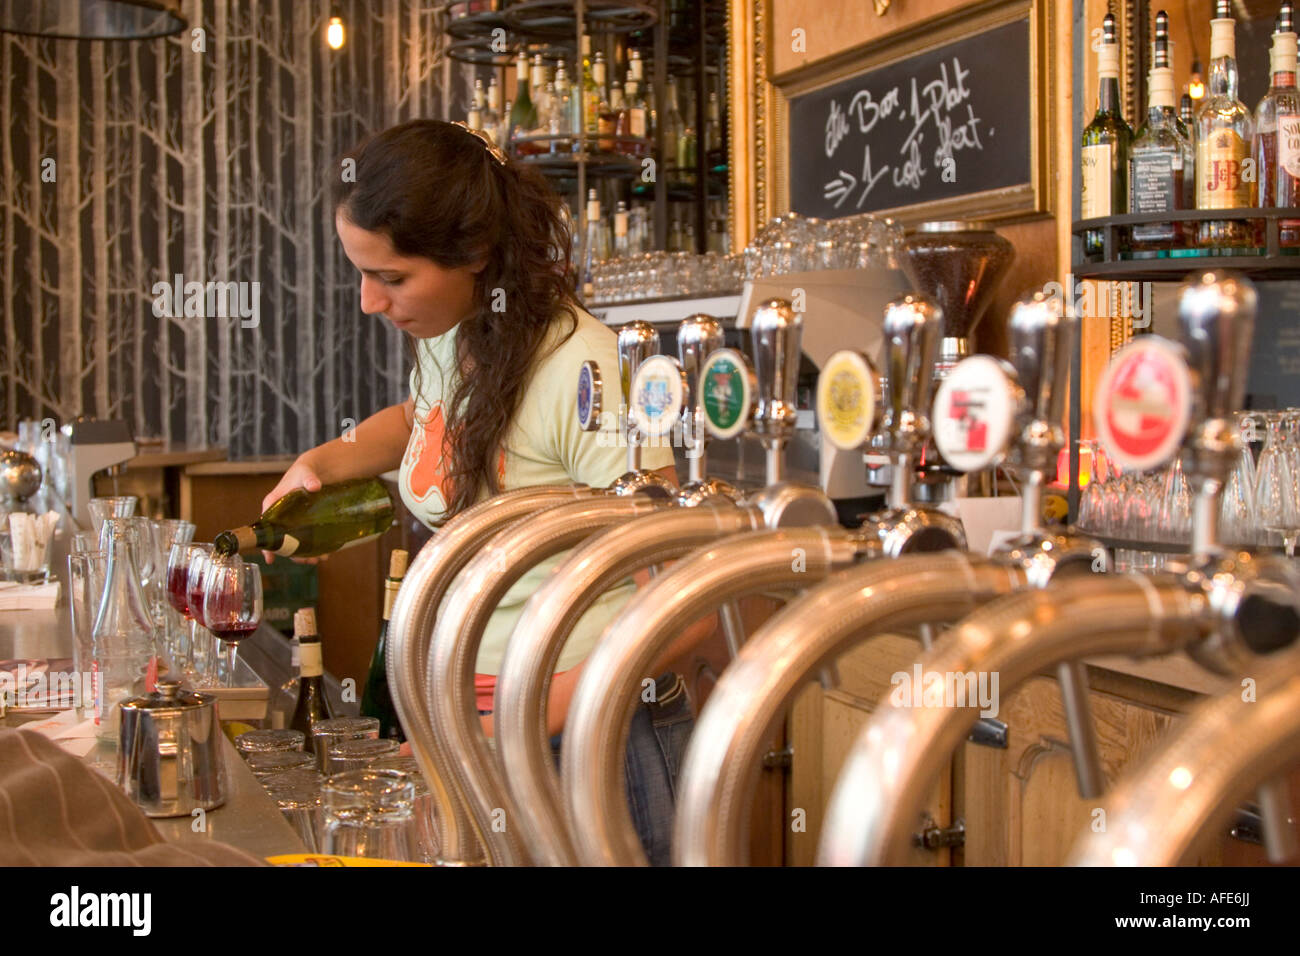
x=1037 y=603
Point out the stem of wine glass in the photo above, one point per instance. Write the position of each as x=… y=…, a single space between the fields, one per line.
x=231 y=650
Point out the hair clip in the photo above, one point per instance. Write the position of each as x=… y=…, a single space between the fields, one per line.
x=499 y=156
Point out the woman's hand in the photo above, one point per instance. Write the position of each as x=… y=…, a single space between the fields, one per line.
x=302 y=475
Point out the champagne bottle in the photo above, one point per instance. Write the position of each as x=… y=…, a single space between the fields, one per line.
x=376 y=701
x=306 y=524
x=523 y=114
x=312 y=703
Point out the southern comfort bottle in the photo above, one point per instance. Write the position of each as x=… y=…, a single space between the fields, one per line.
x=1224 y=128
x=1277 y=130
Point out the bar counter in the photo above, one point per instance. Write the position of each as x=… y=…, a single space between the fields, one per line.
x=249 y=820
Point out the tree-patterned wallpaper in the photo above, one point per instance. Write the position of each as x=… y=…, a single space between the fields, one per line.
x=169 y=254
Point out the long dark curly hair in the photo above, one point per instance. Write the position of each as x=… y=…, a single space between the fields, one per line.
x=437 y=191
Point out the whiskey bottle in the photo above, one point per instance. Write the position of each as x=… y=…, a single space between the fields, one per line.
x=1223 y=133
x=1161 y=155
x=1103 y=178
x=1277 y=130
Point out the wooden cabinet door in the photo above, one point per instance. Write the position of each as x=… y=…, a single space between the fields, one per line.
x=823 y=727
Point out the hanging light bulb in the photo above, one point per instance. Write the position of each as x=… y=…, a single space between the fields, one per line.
x=334 y=33
x=1196 y=88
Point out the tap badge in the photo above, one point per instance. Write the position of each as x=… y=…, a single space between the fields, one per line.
x=588 y=396
x=1143 y=404
x=846 y=400
x=728 y=392
x=658 y=391
x=974 y=413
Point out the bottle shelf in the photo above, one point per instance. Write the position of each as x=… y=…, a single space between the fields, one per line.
x=1266 y=259
x=476 y=22
x=545 y=19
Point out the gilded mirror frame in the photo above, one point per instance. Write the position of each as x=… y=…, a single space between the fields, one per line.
x=758 y=109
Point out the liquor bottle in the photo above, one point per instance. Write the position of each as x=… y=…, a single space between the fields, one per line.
x=523 y=114
x=306 y=524
x=376 y=701
x=313 y=705
x=562 y=110
x=537 y=87
x=1103 y=178
x=636 y=114
x=609 y=116
x=589 y=257
x=651 y=114
x=713 y=132
x=622 y=244
x=674 y=127
x=1161 y=155
x=1277 y=130
x=1187 y=113
x=595 y=100
x=474 y=118
x=492 y=115
x=589 y=100
x=123 y=641
x=1223 y=133
x=636 y=66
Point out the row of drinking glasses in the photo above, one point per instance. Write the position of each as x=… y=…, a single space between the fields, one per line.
x=1260 y=504
x=660 y=275
x=367 y=801
x=794 y=243
x=220 y=596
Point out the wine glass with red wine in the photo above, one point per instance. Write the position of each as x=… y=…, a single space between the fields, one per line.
x=179 y=558
x=232 y=604
x=202 y=645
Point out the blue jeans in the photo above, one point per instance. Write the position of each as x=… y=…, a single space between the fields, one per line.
x=655 y=747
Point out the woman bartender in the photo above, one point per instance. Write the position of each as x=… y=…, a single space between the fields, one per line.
x=467 y=253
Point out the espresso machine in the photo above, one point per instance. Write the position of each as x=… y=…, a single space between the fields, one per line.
x=96 y=446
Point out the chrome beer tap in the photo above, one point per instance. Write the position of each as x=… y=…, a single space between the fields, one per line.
x=1228 y=612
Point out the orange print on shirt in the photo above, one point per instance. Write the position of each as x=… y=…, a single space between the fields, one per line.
x=429 y=468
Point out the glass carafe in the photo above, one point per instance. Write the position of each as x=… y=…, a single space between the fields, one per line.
x=123 y=645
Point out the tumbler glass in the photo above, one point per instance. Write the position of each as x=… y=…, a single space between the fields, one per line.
x=269 y=741
x=326 y=733
x=367 y=813
x=265 y=765
x=86 y=572
x=424 y=806
x=360 y=753
x=301 y=808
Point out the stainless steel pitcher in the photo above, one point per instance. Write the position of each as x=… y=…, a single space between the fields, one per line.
x=169 y=755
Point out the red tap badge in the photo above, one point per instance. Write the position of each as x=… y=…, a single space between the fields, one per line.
x=1143 y=403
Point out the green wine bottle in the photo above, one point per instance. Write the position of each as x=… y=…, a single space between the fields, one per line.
x=306 y=524
x=376 y=701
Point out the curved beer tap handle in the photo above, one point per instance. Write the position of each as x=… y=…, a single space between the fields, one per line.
x=1246 y=608
x=723 y=762
x=453 y=652
x=523 y=747
x=1184 y=794
x=600 y=714
x=414 y=612
x=904 y=745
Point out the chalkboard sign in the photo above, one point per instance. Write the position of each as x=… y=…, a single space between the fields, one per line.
x=1274 y=378
x=939 y=125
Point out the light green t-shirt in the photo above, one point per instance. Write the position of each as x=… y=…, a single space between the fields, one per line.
x=545 y=446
